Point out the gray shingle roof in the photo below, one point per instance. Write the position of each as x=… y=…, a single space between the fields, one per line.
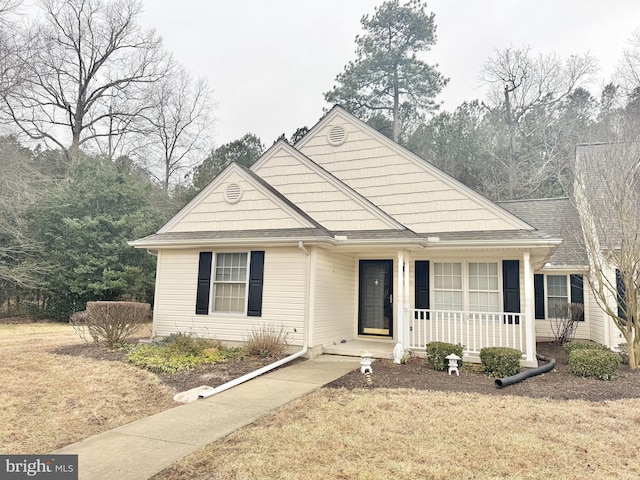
x=557 y=217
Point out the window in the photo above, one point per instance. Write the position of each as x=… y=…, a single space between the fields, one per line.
x=234 y=289
x=447 y=286
x=484 y=294
x=557 y=294
x=481 y=280
x=230 y=282
x=557 y=291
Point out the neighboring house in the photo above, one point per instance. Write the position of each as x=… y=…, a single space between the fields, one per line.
x=348 y=235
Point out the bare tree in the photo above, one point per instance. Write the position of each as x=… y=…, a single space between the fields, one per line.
x=85 y=63
x=607 y=196
x=525 y=88
x=20 y=185
x=628 y=69
x=10 y=68
x=177 y=127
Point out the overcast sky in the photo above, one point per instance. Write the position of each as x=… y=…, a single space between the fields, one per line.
x=270 y=61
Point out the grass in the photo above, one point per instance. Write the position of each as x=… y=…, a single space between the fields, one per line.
x=49 y=401
x=430 y=435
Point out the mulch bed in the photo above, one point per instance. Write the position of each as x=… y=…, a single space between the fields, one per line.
x=211 y=375
x=559 y=384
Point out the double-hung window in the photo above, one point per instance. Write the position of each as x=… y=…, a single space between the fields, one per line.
x=484 y=292
x=230 y=282
x=557 y=295
x=447 y=286
x=461 y=286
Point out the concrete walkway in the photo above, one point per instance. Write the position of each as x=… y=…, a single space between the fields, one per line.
x=141 y=449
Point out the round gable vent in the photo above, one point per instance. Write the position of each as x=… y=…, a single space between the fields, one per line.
x=337 y=135
x=233 y=193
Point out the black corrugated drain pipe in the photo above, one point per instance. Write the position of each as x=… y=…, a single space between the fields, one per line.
x=532 y=372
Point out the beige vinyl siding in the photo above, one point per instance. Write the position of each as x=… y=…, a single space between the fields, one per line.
x=596 y=319
x=403 y=188
x=336 y=294
x=614 y=337
x=214 y=213
x=323 y=201
x=283 y=297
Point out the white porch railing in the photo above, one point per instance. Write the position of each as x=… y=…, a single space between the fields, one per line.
x=474 y=330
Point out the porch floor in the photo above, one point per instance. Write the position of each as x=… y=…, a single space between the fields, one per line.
x=355 y=348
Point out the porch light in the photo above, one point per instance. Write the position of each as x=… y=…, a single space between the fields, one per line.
x=453 y=363
x=365 y=363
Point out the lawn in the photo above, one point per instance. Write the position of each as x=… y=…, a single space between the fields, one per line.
x=49 y=401
x=402 y=433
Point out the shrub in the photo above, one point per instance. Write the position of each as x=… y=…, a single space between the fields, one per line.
x=110 y=322
x=266 y=341
x=438 y=351
x=594 y=363
x=571 y=346
x=179 y=352
x=564 y=321
x=500 y=361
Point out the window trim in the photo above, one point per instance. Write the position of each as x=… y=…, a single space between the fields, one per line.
x=214 y=282
x=465 y=282
x=567 y=287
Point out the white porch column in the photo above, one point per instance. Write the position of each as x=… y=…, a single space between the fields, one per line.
x=400 y=300
x=406 y=335
x=529 y=322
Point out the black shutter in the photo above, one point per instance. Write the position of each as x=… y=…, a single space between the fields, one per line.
x=577 y=292
x=511 y=289
x=538 y=293
x=204 y=283
x=621 y=296
x=422 y=286
x=256 y=279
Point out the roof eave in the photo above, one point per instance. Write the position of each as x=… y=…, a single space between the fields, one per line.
x=442 y=244
x=201 y=242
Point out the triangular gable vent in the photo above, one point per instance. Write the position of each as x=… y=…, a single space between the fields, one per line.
x=233 y=193
x=337 y=135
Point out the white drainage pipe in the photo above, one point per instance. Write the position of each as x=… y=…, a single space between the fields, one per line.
x=251 y=375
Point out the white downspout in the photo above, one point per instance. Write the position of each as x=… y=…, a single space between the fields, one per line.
x=274 y=365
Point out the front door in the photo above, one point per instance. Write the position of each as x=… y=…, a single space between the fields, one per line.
x=375 y=306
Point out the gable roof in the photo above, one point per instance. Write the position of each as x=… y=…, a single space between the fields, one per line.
x=212 y=207
x=405 y=186
x=557 y=217
x=319 y=193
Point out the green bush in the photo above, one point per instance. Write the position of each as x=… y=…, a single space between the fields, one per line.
x=594 y=363
x=438 y=351
x=571 y=346
x=179 y=352
x=500 y=361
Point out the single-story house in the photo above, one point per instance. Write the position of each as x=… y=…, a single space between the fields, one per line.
x=349 y=236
